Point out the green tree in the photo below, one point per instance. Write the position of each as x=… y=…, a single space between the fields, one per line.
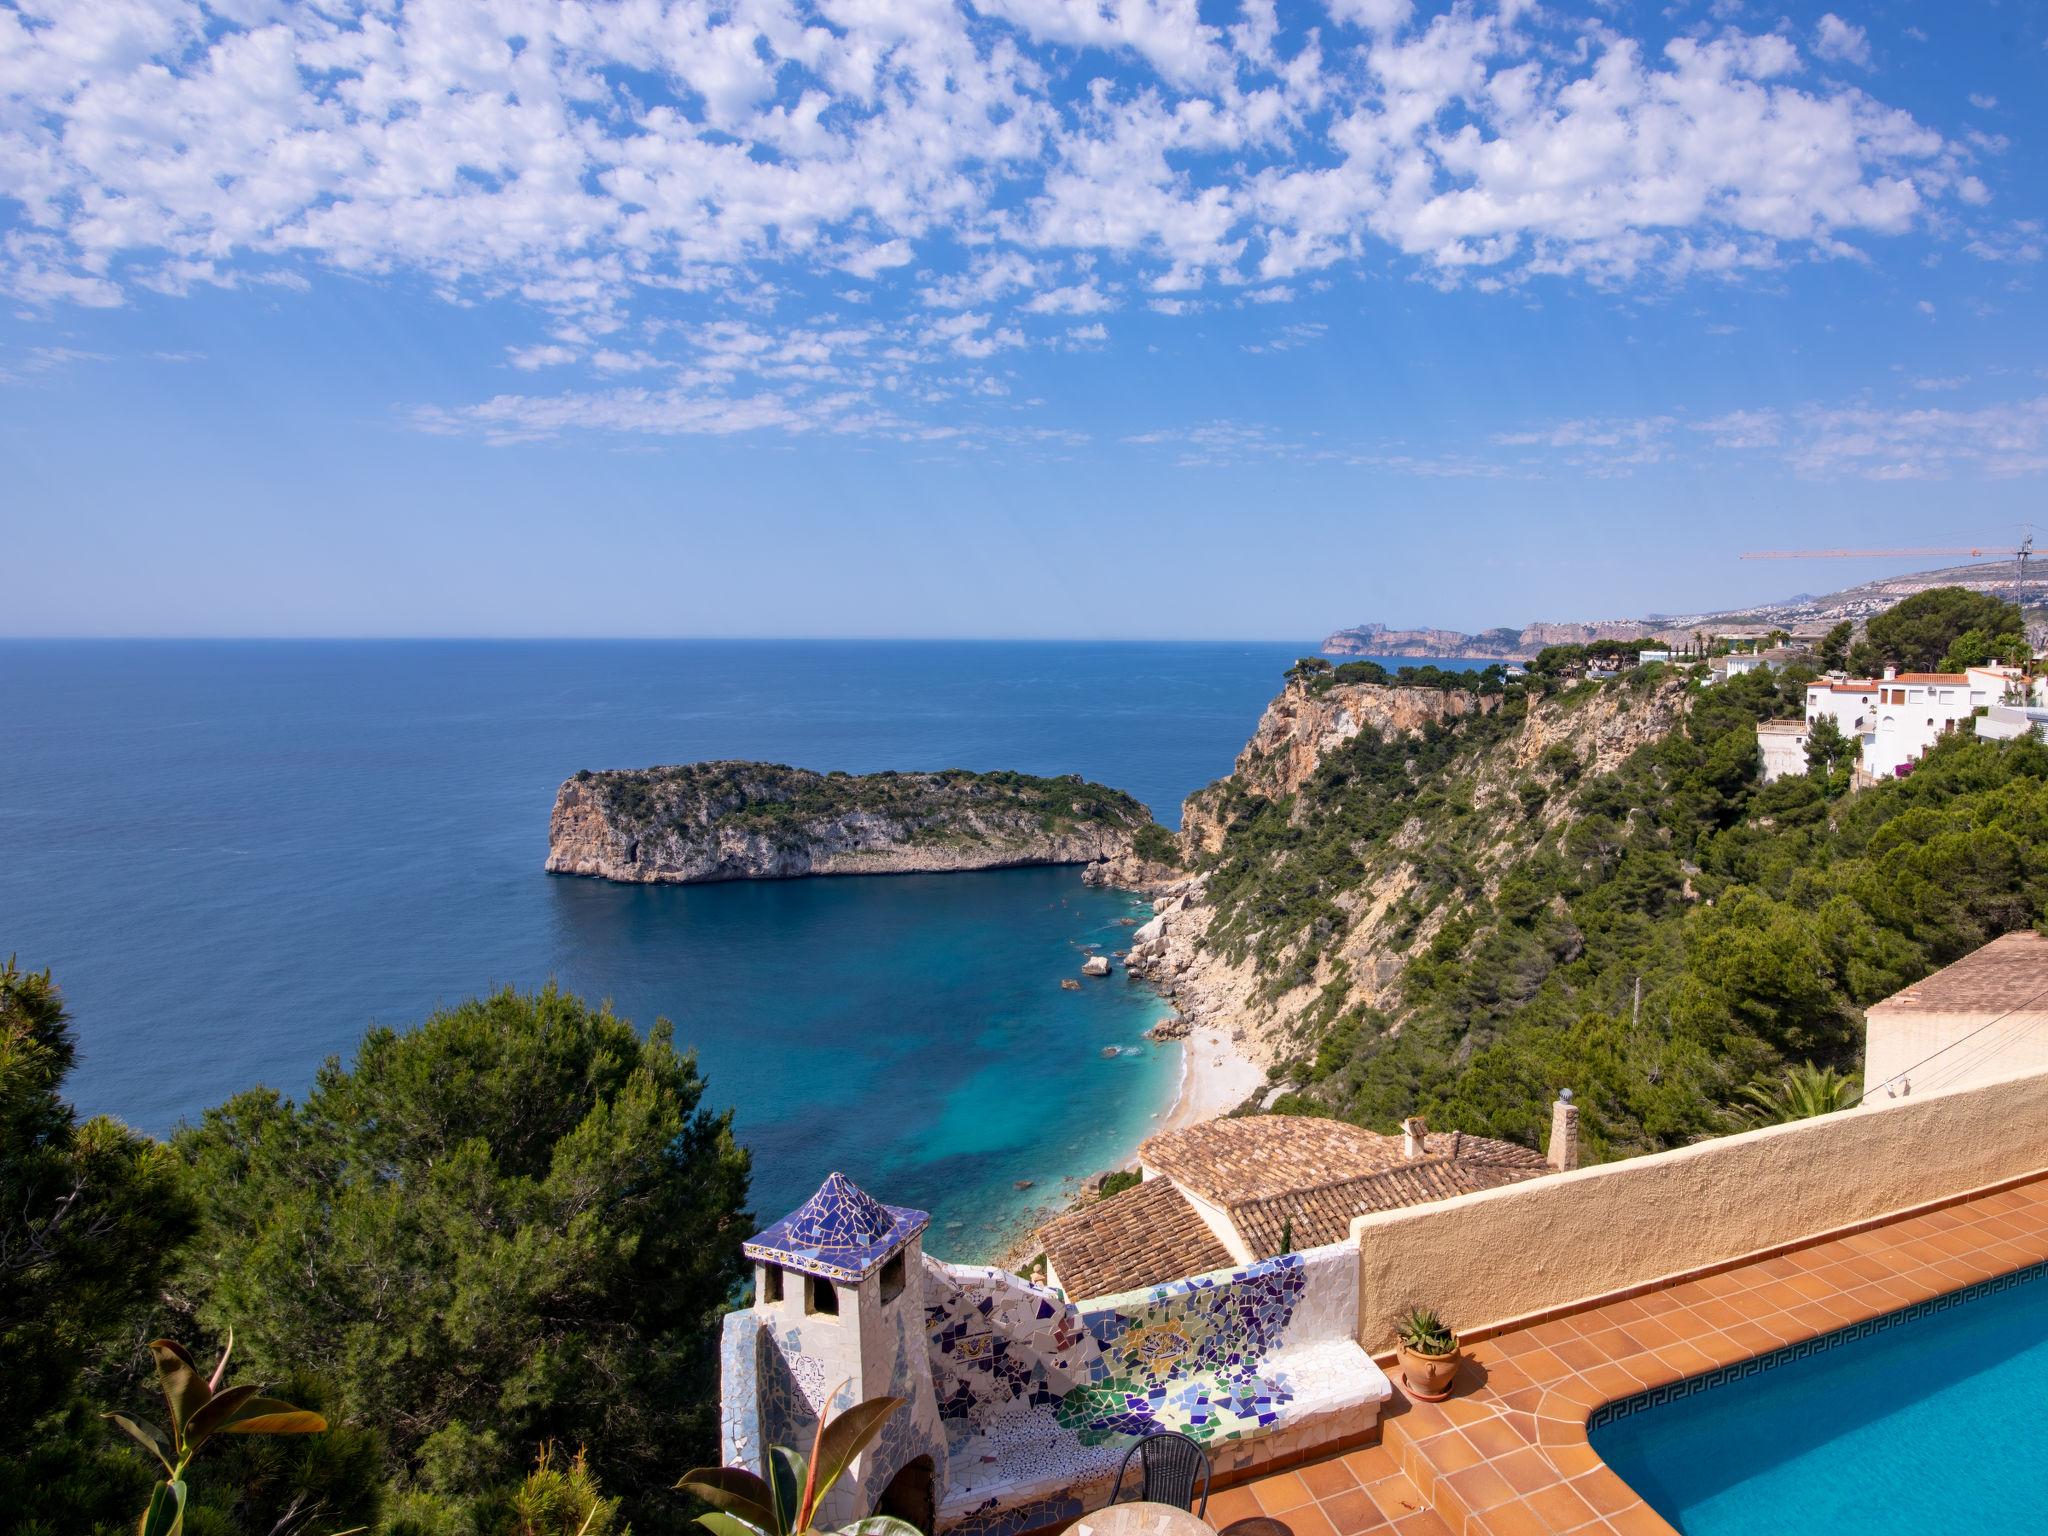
x=1979 y=647
x=513 y=1225
x=1830 y=755
x=1915 y=635
x=91 y=1217
x=1833 y=650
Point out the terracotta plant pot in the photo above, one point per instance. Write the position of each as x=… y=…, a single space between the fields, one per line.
x=1429 y=1376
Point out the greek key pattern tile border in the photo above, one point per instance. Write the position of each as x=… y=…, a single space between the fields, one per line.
x=1785 y=1354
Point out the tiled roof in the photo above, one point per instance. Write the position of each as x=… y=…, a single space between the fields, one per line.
x=1309 y=1218
x=2006 y=974
x=1867 y=685
x=1141 y=1237
x=1954 y=679
x=1254 y=1157
x=1283 y=1180
x=841 y=1232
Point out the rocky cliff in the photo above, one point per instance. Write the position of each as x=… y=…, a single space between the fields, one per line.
x=762 y=821
x=1311 y=718
x=1359 y=822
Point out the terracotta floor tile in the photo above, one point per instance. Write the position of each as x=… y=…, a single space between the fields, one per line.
x=1573 y=1460
x=1280 y=1493
x=1354 y=1512
x=1526 y=1470
x=1397 y=1498
x=1604 y=1491
x=1491 y=1438
x=1449 y=1453
x=1580 y=1354
x=1650 y=1332
x=1326 y=1479
x=1560 y=1505
x=1426 y=1523
x=1511 y=1519
x=1370 y=1463
x=1480 y=1487
x=1462 y=1411
x=1232 y=1504
x=1309 y=1520
x=1543 y=1365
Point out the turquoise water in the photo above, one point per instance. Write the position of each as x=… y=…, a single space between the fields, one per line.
x=1933 y=1425
x=234 y=856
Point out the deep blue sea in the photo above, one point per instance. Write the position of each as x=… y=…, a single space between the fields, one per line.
x=235 y=855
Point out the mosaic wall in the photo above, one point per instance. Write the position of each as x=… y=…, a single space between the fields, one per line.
x=1040 y=1399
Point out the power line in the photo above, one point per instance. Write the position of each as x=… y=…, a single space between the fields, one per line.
x=1962 y=1040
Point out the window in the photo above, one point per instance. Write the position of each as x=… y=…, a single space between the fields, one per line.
x=771 y=1282
x=892 y=1278
x=821 y=1296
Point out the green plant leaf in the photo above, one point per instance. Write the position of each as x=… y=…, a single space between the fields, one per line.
x=719 y=1523
x=219 y=1410
x=846 y=1437
x=879 y=1525
x=734 y=1490
x=269 y=1416
x=787 y=1472
x=166 y=1513
x=185 y=1391
x=144 y=1434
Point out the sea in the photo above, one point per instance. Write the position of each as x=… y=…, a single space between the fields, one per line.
x=236 y=856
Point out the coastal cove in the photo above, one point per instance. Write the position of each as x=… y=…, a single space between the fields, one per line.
x=235 y=857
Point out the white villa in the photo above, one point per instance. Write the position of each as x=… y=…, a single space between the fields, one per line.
x=1896 y=718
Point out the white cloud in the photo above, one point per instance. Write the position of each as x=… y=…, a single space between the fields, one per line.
x=1841 y=42
x=615 y=168
x=1983 y=103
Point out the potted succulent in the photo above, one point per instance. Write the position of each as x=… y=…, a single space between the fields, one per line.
x=1429 y=1354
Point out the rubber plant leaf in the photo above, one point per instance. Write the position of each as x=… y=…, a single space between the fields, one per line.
x=220 y=1369
x=185 y=1391
x=879 y=1525
x=272 y=1416
x=144 y=1434
x=719 y=1523
x=787 y=1472
x=220 y=1409
x=735 y=1490
x=845 y=1438
x=166 y=1513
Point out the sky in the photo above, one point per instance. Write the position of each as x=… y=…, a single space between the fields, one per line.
x=1004 y=318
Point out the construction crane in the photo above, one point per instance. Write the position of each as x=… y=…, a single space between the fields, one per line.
x=2020 y=557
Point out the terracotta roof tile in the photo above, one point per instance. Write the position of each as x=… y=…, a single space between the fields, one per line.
x=1309 y=1218
x=1143 y=1236
x=1253 y=1157
x=1953 y=679
x=2006 y=974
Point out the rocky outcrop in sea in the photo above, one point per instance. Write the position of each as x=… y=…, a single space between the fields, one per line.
x=762 y=821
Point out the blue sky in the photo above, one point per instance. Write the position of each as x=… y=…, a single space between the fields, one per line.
x=1021 y=317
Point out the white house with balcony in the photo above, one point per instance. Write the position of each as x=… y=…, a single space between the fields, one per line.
x=1914 y=710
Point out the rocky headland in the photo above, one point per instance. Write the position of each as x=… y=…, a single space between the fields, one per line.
x=762 y=821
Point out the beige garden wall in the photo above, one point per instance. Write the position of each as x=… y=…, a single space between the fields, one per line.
x=1488 y=1258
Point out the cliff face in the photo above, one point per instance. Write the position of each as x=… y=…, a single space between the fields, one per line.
x=1235 y=946
x=1301 y=727
x=760 y=821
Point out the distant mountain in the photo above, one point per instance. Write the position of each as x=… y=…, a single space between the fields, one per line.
x=1804 y=615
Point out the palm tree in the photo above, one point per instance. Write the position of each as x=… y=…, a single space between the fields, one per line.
x=1799 y=1093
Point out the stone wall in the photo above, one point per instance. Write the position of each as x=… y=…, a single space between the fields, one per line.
x=1502 y=1254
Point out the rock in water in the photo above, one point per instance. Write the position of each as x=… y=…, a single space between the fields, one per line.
x=761 y=821
x=1068 y=984
x=1095 y=965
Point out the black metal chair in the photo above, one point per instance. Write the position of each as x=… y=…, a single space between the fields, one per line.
x=1172 y=1469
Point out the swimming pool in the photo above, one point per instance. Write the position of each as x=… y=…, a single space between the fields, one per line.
x=1928 y=1419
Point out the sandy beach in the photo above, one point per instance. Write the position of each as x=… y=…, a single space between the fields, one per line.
x=1215 y=1077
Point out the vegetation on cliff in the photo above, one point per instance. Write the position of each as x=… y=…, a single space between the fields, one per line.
x=1458 y=922
x=512 y=1228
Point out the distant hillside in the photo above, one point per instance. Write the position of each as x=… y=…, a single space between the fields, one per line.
x=1804 y=614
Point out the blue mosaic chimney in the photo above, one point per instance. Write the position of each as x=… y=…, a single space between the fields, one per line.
x=840 y=1233
x=838 y=1317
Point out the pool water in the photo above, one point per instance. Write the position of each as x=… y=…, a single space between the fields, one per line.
x=1934 y=1423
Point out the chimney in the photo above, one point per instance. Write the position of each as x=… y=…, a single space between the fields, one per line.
x=1564 y=1132
x=1891 y=674
x=1414 y=1133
